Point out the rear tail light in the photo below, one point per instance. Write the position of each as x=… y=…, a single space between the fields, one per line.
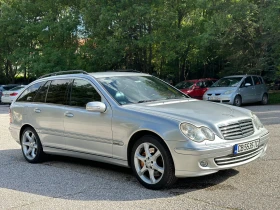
x=13 y=94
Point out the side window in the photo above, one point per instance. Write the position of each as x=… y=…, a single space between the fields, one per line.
x=200 y=84
x=82 y=93
x=261 y=80
x=247 y=80
x=256 y=80
x=57 y=91
x=29 y=94
x=208 y=83
x=42 y=93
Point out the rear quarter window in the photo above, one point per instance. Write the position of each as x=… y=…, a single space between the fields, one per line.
x=29 y=94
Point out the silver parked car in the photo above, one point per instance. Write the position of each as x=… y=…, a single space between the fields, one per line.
x=238 y=90
x=134 y=120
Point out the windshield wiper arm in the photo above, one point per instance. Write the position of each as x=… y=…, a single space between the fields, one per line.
x=143 y=101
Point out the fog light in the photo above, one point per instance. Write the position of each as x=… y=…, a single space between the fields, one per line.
x=204 y=163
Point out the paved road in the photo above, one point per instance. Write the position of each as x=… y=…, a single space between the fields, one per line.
x=66 y=183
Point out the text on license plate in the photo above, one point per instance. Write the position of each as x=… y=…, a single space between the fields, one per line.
x=247 y=146
x=214 y=98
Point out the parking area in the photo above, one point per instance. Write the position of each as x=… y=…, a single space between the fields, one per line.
x=68 y=183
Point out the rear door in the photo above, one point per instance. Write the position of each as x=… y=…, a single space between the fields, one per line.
x=47 y=112
x=87 y=132
x=259 y=89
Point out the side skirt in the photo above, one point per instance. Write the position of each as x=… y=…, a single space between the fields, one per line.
x=70 y=153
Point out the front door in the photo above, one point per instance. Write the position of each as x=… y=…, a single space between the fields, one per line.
x=85 y=131
x=247 y=92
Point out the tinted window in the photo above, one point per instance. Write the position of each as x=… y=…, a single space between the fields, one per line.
x=9 y=87
x=29 y=94
x=256 y=80
x=200 y=84
x=82 y=93
x=227 y=82
x=57 y=92
x=184 y=84
x=208 y=83
x=248 y=80
x=17 y=88
x=41 y=94
x=261 y=80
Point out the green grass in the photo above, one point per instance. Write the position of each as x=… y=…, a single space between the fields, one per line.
x=274 y=97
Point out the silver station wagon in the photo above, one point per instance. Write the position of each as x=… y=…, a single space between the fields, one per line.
x=134 y=120
x=238 y=90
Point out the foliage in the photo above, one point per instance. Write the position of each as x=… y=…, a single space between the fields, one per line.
x=181 y=39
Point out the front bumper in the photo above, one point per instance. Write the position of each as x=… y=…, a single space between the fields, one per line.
x=226 y=99
x=218 y=157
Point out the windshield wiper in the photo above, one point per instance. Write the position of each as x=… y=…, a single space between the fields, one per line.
x=144 y=101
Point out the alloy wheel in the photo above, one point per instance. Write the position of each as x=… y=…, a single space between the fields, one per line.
x=29 y=145
x=149 y=163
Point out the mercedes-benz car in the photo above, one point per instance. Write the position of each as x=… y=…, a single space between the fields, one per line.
x=133 y=120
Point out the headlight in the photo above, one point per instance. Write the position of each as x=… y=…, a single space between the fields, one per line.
x=256 y=121
x=228 y=92
x=198 y=134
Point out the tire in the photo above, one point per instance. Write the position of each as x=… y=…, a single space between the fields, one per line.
x=31 y=146
x=154 y=170
x=264 y=100
x=237 y=101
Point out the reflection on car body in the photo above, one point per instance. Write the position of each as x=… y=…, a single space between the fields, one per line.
x=134 y=120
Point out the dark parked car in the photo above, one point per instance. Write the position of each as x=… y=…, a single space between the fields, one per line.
x=196 y=88
x=5 y=88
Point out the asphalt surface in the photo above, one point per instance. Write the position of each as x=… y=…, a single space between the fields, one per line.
x=68 y=183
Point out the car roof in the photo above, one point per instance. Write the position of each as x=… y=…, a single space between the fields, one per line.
x=242 y=75
x=116 y=74
x=202 y=79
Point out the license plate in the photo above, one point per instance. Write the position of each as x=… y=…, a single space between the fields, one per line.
x=245 y=147
x=6 y=95
x=214 y=98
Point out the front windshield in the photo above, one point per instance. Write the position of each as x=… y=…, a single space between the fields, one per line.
x=138 y=89
x=184 y=85
x=227 y=82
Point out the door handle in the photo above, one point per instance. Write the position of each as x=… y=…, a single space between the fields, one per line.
x=37 y=110
x=68 y=114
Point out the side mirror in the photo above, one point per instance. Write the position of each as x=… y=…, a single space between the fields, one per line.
x=96 y=106
x=247 y=84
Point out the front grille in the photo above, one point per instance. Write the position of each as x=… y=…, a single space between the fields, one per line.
x=237 y=130
x=233 y=159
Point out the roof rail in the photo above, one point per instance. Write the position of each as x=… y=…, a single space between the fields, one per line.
x=63 y=72
x=124 y=70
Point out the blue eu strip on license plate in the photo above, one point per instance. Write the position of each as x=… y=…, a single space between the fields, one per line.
x=235 y=149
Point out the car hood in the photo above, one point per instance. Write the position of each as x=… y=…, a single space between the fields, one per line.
x=193 y=111
x=219 y=89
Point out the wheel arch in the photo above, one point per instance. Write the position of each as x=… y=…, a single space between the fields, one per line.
x=137 y=135
x=22 y=129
